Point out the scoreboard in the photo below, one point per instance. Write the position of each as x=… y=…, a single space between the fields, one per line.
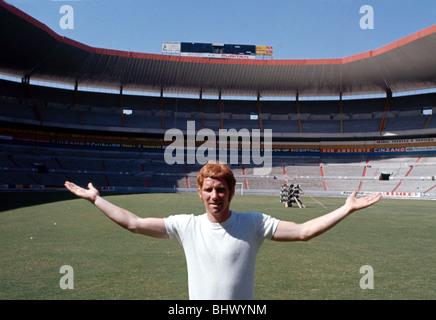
x=217 y=50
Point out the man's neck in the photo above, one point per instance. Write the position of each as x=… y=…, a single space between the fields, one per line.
x=219 y=218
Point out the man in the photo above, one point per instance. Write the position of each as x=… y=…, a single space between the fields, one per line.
x=221 y=245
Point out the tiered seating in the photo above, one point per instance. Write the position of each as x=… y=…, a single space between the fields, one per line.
x=82 y=110
x=106 y=110
x=51 y=167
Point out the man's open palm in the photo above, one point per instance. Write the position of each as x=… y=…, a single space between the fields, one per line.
x=89 y=194
x=360 y=203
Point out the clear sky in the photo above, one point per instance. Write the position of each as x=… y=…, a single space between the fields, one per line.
x=297 y=29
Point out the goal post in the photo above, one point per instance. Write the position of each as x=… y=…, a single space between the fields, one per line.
x=241 y=189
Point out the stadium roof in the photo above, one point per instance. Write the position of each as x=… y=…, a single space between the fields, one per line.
x=29 y=49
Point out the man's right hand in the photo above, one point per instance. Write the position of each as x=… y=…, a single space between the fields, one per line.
x=89 y=194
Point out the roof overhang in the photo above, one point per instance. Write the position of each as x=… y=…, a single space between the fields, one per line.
x=29 y=49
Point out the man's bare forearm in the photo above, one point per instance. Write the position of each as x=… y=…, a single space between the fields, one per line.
x=153 y=227
x=317 y=226
x=290 y=231
x=124 y=218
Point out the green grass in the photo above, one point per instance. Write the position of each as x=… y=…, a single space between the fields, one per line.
x=395 y=237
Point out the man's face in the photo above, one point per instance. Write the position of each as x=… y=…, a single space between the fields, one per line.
x=216 y=197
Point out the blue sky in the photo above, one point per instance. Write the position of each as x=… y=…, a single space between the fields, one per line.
x=297 y=29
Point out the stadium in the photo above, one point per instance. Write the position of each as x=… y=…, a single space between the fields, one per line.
x=71 y=112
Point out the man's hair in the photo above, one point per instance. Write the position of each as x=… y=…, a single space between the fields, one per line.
x=216 y=170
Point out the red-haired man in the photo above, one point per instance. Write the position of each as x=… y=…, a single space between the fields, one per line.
x=221 y=245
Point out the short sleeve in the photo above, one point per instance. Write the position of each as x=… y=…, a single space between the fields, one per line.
x=265 y=225
x=269 y=226
x=176 y=225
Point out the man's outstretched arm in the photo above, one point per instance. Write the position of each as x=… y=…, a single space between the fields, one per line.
x=290 y=231
x=153 y=227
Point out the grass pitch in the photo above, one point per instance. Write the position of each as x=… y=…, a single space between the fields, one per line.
x=40 y=233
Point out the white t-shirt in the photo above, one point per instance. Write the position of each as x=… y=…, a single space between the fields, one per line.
x=221 y=257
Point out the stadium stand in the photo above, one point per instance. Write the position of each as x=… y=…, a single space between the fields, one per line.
x=115 y=139
x=132 y=170
x=148 y=113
